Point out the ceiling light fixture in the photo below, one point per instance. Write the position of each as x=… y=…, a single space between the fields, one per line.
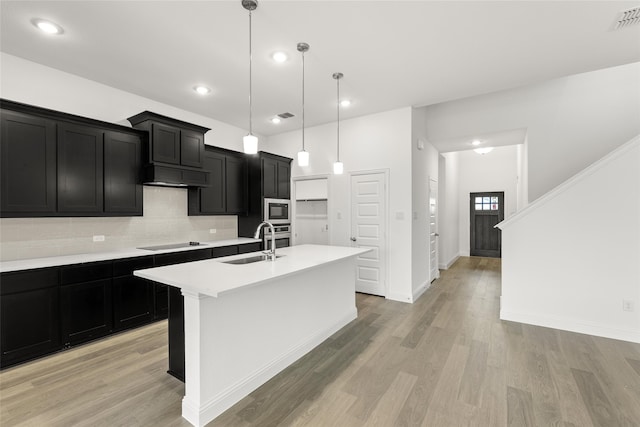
x=483 y=150
x=303 y=155
x=345 y=103
x=202 y=90
x=338 y=166
x=276 y=120
x=250 y=141
x=280 y=57
x=47 y=26
x=476 y=142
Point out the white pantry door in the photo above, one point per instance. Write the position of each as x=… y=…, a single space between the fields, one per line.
x=368 y=222
x=433 y=230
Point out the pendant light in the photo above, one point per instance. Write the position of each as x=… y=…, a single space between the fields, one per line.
x=303 y=155
x=250 y=141
x=338 y=167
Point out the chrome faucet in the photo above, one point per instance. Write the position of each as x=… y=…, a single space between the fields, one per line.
x=272 y=252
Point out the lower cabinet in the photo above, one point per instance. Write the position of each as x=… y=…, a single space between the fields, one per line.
x=133 y=297
x=29 y=315
x=86 y=302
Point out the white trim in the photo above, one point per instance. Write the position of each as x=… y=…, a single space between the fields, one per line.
x=229 y=397
x=399 y=297
x=589 y=170
x=568 y=324
x=420 y=291
x=450 y=263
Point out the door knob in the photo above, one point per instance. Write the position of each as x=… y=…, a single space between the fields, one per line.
x=436 y=234
x=353 y=239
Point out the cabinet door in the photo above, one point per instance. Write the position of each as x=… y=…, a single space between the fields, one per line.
x=122 y=170
x=236 y=185
x=28 y=151
x=212 y=198
x=133 y=302
x=176 y=333
x=270 y=178
x=284 y=178
x=29 y=315
x=86 y=311
x=80 y=169
x=191 y=148
x=165 y=143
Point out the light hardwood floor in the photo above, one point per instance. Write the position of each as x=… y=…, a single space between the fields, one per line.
x=446 y=360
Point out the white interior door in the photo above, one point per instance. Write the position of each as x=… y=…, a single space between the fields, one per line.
x=368 y=230
x=433 y=230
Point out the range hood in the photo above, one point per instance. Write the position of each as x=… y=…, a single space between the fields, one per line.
x=167 y=176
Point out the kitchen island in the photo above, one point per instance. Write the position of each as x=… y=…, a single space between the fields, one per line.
x=244 y=323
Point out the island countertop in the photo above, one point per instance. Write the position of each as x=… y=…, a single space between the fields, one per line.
x=213 y=277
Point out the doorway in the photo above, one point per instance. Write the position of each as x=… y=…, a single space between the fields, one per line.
x=434 y=272
x=310 y=220
x=486 y=210
x=368 y=230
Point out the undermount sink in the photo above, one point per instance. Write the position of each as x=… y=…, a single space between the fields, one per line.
x=250 y=260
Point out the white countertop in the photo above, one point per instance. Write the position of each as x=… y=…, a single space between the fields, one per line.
x=55 y=261
x=214 y=278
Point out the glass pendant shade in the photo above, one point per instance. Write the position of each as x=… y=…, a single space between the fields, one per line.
x=250 y=143
x=303 y=158
x=338 y=168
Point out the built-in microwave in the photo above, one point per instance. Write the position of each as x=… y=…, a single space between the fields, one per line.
x=277 y=211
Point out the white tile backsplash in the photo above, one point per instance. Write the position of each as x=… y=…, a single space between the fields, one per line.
x=165 y=220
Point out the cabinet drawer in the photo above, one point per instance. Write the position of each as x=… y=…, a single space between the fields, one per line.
x=28 y=280
x=224 y=251
x=86 y=272
x=249 y=247
x=180 y=257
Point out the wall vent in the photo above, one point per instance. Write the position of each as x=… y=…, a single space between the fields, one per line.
x=285 y=115
x=628 y=17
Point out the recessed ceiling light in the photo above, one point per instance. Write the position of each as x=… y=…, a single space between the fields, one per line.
x=202 y=90
x=476 y=142
x=280 y=57
x=47 y=26
x=345 y=103
x=275 y=120
x=483 y=150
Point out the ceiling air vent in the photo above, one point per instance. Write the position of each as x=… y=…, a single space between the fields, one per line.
x=628 y=17
x=285 y=115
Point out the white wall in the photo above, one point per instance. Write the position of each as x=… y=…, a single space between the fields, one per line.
x=374 y=142
x=495 y=171
x=165 y=217
x=571 y=122
x=571 y=258
x=449 y=210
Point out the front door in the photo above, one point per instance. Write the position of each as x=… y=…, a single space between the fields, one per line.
x=486 y=210
x=368 y=219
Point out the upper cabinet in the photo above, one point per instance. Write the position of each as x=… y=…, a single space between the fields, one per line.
x=28 y=156
x=176 y=150
x=227 y=190
x=276 y=176
x=57 y=164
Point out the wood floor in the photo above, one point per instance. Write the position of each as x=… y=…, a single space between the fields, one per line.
x=446 y=360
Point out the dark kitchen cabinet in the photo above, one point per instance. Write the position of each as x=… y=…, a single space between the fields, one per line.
x=29 y=315
x=133 y=297
x=227 y=190
x=165 y=144
x=86 y=302
x=276 y=176
x=57 y=164
x=249 y=247
x=191 y=148
x=122 y=174
x=28 y=159
x=80 y=169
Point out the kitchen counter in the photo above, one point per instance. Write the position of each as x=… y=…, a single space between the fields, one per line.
x=55 y=261
x=244 y=323
x=204 y=277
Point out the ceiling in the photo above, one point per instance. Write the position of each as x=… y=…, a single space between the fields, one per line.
x=393 y=53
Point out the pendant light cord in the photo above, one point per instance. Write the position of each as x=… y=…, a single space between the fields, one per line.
x=250 y=61
x=302 y=100
x=338 y=108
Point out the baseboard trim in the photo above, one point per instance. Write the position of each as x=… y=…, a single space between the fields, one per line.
x=420 y=291
x=400 y=297
x=571 y=325
x=448 y=265
x=232 y=395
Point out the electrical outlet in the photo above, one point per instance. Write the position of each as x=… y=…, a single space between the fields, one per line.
x=98 y=238
x=627 y=305
x=212 y=231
